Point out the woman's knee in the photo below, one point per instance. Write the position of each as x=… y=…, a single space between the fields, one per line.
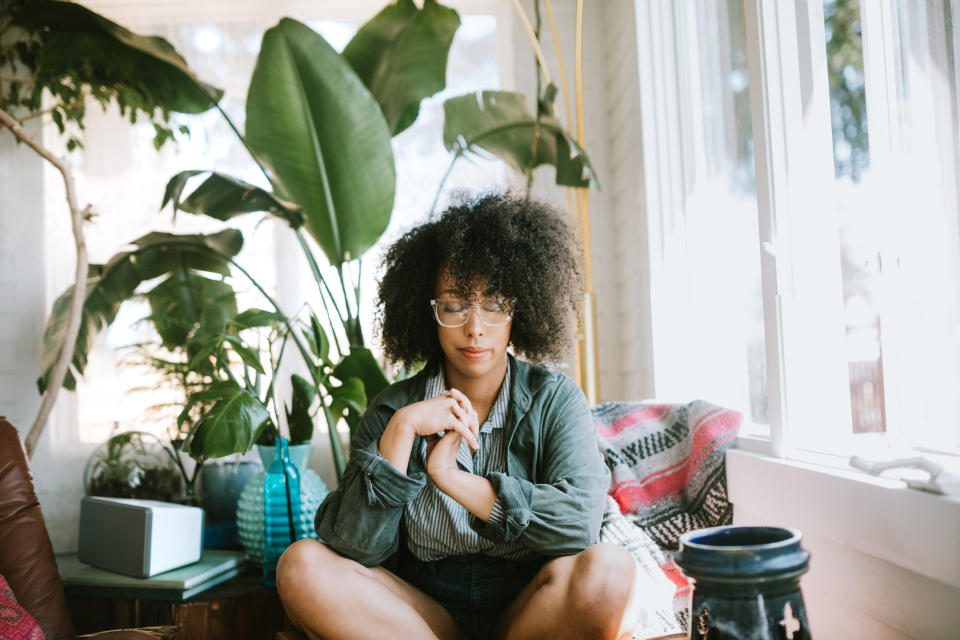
x=305 y=559
x=601 y=580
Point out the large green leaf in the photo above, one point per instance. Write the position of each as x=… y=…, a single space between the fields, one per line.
x=498 y=122
x=360 y=363
x=401 y=55
x=231 y=422
x=155 y=254
x=73 y=36
x=323 y=138
x=187 y=302
x=223 y=197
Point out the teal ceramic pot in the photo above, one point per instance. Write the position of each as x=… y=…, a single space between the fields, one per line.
x=250 y=507
x=221 y=483
x=746 y=583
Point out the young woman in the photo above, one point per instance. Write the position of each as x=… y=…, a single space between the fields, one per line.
x=478 y=481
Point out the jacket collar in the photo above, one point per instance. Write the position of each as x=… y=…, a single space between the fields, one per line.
x=525 y=380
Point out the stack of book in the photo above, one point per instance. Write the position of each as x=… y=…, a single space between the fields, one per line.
x=213 y=568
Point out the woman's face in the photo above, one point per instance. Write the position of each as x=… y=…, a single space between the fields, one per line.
x=474 y=350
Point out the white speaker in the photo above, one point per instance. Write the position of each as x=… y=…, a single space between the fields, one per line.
x=139 y=538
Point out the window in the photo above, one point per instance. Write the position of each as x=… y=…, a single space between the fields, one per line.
x=823 y=286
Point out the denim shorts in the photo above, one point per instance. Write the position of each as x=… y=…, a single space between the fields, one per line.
x=474 y=589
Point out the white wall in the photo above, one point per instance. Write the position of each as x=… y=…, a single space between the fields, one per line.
x=22 y=278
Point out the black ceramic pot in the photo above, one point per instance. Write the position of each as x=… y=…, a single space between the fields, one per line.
x=746 y=583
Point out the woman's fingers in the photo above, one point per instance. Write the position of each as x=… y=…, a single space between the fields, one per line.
x=465 y=431
x=464 y=402
x=462 y=398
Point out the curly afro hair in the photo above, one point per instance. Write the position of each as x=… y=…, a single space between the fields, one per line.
x=518 y=248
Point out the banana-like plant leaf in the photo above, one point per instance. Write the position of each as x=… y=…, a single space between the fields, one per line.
x=223 y=197
x=323 y=138
x=231 y=422
x=401 y=56
x=74 y=35
x=360 y=363
x=498 y=122
x=299 y=420
x=185 y=303
x=116 y=281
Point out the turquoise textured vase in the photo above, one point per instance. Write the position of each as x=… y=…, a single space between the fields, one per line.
x=250 y=508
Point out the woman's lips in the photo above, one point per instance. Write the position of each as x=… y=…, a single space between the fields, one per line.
x=474 y=353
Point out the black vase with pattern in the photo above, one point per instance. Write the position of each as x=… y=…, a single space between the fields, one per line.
x=746 y=583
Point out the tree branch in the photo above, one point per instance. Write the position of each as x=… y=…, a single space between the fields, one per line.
x=80 y=287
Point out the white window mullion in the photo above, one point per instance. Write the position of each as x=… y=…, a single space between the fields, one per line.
x=807 y=380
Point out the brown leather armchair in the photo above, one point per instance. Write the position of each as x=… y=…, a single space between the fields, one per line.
x=26 y=555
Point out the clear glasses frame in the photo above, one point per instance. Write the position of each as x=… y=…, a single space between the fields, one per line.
x=481 y=313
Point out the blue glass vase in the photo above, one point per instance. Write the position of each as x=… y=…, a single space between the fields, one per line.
x=747 y=583
x=250 y=506
x=281 y=508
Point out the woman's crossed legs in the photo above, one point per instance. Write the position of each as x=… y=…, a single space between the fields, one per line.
x=588 y=596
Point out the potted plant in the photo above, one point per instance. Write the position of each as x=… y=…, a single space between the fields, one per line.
x=56 y=59
x=318 y=125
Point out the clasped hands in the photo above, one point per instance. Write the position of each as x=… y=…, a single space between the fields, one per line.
x=452 y=415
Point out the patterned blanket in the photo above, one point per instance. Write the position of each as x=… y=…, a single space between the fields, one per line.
x=668 y=477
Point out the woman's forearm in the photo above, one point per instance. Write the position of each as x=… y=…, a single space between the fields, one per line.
x=473 y=492
x=396 y=443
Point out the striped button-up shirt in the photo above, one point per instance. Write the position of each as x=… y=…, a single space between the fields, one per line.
x=437 y=525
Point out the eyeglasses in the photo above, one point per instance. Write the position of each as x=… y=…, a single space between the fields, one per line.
x=456 y=312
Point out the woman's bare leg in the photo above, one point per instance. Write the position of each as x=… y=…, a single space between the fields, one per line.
x=589 y=596
x=334 y=598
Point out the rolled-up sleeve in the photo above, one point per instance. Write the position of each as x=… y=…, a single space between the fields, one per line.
x=361 y=518
x=562 y=514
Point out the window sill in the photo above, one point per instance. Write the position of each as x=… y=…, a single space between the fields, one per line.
x=876 y=516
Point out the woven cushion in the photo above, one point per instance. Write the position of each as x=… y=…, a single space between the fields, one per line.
x=15 y=623
x=667 y=477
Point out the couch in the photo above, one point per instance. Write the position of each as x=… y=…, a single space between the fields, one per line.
x=27 y=561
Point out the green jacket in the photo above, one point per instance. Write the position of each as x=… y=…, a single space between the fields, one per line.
x=552 y=494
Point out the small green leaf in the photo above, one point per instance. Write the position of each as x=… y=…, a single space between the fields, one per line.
x=224 y=197
x=299 y=420
x=351 y=394
x=248 y=355
x=319 y=343
x=231 y=425
x=360 y=363
x=253 y=318
x=498 y=122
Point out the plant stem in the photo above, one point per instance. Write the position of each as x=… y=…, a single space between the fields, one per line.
x=59 y=371
x=456 y=156
x=336 y=447
x=354 y=335
x=322 y=284
x=243 y=141
x=533 y=40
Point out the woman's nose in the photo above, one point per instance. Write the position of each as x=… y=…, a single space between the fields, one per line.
x=474 y=326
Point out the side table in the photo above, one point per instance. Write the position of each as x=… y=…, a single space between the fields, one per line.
x=239 y=609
